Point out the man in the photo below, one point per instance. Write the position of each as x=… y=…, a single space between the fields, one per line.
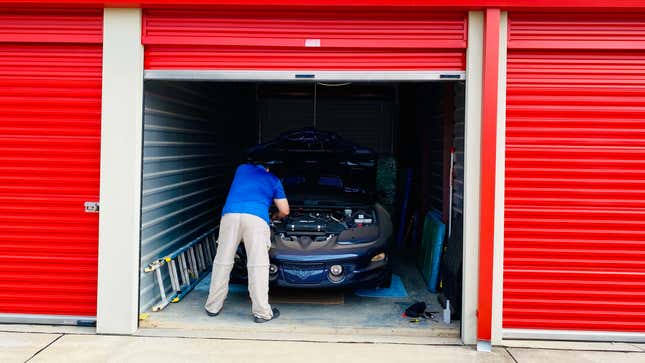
x=246 y=217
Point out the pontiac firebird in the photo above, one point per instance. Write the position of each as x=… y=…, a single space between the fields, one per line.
x=337 y=235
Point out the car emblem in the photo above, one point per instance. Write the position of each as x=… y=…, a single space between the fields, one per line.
x=303 y=274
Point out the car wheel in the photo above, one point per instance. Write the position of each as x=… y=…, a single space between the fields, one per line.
x=387 y=281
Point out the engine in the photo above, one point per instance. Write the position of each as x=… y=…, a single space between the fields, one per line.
x=324 y=222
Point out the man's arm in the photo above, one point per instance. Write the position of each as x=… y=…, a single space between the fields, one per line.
x=283 y=207
x=280 y=201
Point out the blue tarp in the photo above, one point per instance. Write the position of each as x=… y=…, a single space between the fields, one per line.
x=396 y=289
x=434 y=231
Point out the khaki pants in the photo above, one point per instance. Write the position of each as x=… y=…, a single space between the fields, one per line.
x=256 y=234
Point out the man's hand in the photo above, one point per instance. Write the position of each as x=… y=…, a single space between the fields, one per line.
x=273 y=216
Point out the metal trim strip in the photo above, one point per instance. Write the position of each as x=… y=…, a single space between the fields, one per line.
x=500 y=174
x=306 y=76
x=596 y=336
x=47 y=319
x=490 y=88
x=611 y=5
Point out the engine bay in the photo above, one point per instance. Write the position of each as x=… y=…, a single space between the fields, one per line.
x=324 y=222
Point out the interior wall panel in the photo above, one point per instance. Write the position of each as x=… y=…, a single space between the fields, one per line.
x=458 y=144
x=364 y=120
x=193 y=137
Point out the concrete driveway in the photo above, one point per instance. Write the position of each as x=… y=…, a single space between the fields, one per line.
x=82 y=347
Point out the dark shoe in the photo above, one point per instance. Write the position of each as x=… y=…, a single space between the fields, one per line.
x=211 y=314
x=276 y=314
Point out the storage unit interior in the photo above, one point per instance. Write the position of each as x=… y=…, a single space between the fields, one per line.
x=197 y=132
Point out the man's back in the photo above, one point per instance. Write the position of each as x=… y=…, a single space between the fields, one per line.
x=247 y=206
x=252 y=191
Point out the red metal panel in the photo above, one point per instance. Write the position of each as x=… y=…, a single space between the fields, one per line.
x=278 y=39
x=575 y=5
x=51 y=25
x=50 y=96
x=574 y=253
x=490 y=87
x=576 y=31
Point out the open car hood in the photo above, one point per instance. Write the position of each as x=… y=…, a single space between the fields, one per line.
x=319 y=167
x=325 y=199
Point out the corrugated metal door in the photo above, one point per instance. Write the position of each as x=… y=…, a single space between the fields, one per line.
x=50 y=104
x=314 y=39
x=574 y=248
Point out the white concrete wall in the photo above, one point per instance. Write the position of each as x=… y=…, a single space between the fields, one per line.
x=472 y=175
x=121 y=127
x=500 y=172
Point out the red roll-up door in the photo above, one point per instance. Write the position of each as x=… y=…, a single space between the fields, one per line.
x=50 y=105
x=313 y=39
x=574 y=247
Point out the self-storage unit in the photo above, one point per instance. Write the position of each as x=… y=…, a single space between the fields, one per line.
x=575 y=177
x=50 y=121
x=220 y=81
x=543 y=103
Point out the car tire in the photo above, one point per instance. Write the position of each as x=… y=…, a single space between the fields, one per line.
x=387 y=281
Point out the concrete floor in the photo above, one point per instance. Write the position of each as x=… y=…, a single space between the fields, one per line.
x=357 y=319
x=39 y=347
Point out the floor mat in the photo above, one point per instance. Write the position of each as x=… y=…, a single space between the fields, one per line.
x=291 y=296
x=287 y=296
x=396 y=289
x=204 y=285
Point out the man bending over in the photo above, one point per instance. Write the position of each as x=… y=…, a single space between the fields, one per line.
x=246 y=217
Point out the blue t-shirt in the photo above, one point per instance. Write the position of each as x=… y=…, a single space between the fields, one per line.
x=252 y=191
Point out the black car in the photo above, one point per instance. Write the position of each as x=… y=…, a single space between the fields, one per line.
x=337 y=235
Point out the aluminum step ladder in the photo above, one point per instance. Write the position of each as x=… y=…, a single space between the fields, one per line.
x=187 y=266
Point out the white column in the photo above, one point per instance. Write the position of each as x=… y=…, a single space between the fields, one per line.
x=472 y=176
x=121 y=129
x=500 y=172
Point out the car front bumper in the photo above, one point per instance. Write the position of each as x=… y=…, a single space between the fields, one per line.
x=318 y=274
x=293 y=272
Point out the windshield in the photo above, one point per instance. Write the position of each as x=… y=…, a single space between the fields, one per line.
x=322 y=189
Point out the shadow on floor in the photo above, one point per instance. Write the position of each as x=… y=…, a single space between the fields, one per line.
x=364 y=314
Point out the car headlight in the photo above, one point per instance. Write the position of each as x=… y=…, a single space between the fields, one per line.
x=379 y=257
x=336 y=270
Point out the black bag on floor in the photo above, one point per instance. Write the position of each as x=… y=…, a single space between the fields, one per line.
x=416 y=310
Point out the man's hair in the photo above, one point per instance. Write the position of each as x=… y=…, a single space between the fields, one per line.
x=258 y=163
